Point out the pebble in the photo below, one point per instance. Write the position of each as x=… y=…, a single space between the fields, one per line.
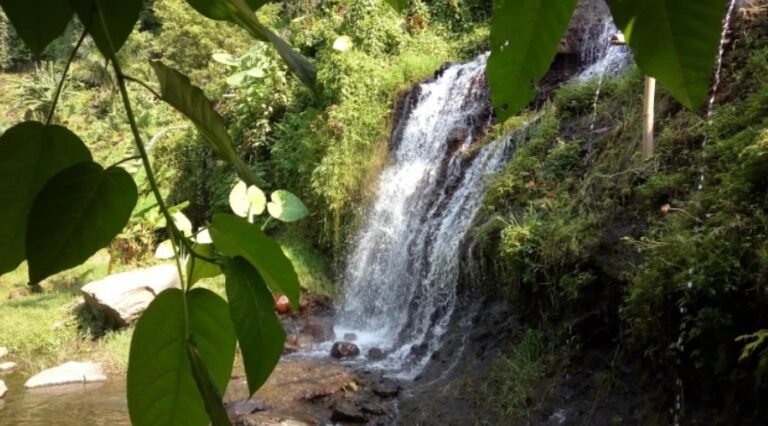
x=7 y=366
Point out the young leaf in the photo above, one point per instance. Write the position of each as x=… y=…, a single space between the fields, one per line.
x=165 y=250
x=675 y=41
x=120 y=17
x=287 y=207
x=198 y=269
x=38 y=22
x=226 y=59
x=234 y=236
x=30 y=154
x=178 y=92
x=525 y=36
x=253 y=314
x=247 y=201
x=161 y=388
x=79 y=211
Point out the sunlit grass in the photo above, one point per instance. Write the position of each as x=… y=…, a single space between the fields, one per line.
x=45 y=329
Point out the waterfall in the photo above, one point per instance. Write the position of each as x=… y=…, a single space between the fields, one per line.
x=400 y=283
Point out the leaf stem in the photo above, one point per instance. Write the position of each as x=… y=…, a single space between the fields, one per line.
x=125 y=160
x=60 y=87
x=144 y=84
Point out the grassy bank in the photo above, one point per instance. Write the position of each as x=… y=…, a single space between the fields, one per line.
x=600 y=247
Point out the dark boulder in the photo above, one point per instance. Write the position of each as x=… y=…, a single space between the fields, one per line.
x=376 y=354
x=345 y=411
x=344 y=350
x=387 y=388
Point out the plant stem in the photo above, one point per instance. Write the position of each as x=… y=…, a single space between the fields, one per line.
x=175 y=233
x=144 y=84
x=60 y=87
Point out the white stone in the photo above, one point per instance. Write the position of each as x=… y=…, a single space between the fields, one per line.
x=3 y=351
x=7 y=366
x=68 y=373
x=122 y=298
x=3 y=389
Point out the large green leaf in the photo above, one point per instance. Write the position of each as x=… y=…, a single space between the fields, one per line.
x=675 y=41
x=234 y=236
x=525 y=36
x=30 y=154
x=161 y=388
x=253 y=313
x=199 y=269
x=214 y=402
x=38 y=22
x=398 y=5
x=222 y=10
x=241 y=12
x=177 y=91
x=287 y=207
x=79 y=211
x=120 y=17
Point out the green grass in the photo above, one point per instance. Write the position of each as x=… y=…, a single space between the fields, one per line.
x=45 y=329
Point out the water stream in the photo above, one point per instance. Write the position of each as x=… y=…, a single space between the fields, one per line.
x=401 y=279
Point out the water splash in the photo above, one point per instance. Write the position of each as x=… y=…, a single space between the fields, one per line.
x=679 y=406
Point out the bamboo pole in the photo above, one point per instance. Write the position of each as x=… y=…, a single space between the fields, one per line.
x=649 y=117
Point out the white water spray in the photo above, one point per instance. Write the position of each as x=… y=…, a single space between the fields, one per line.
x=679 y=407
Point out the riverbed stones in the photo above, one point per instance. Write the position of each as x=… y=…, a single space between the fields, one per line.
x=376 y=354
x=343 y=350
x=387 y=388
x=121 y=298
x=7 y=366
x=67 y=373
x=346 y=411
x=3 y=389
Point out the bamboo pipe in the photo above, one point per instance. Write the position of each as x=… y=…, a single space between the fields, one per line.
x=649 y=115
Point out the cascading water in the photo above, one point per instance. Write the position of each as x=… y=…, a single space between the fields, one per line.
x=401 y=278
x=402 y=275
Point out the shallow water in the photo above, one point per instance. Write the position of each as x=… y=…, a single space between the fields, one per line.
x=70 y=405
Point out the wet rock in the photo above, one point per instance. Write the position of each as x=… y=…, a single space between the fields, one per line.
x=345 y=411
x=350 y=337
x=242 y=408
x=70 y=372
x=373 y=408
x=283 y=305
x=3 y=389
x=7 y=366
x=319 y=328
x=456 y=138
x=121 y=298
x=297 y=342
x=3 y=351
x=344 y=350
x=376 y=354
x=387 y=388
x=419 y=351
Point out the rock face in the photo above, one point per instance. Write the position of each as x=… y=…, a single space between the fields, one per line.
x=68 y=373
x=321 y=329
x=587 y=20
x=122 y=298
x=3 y=389
x=344 y=350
